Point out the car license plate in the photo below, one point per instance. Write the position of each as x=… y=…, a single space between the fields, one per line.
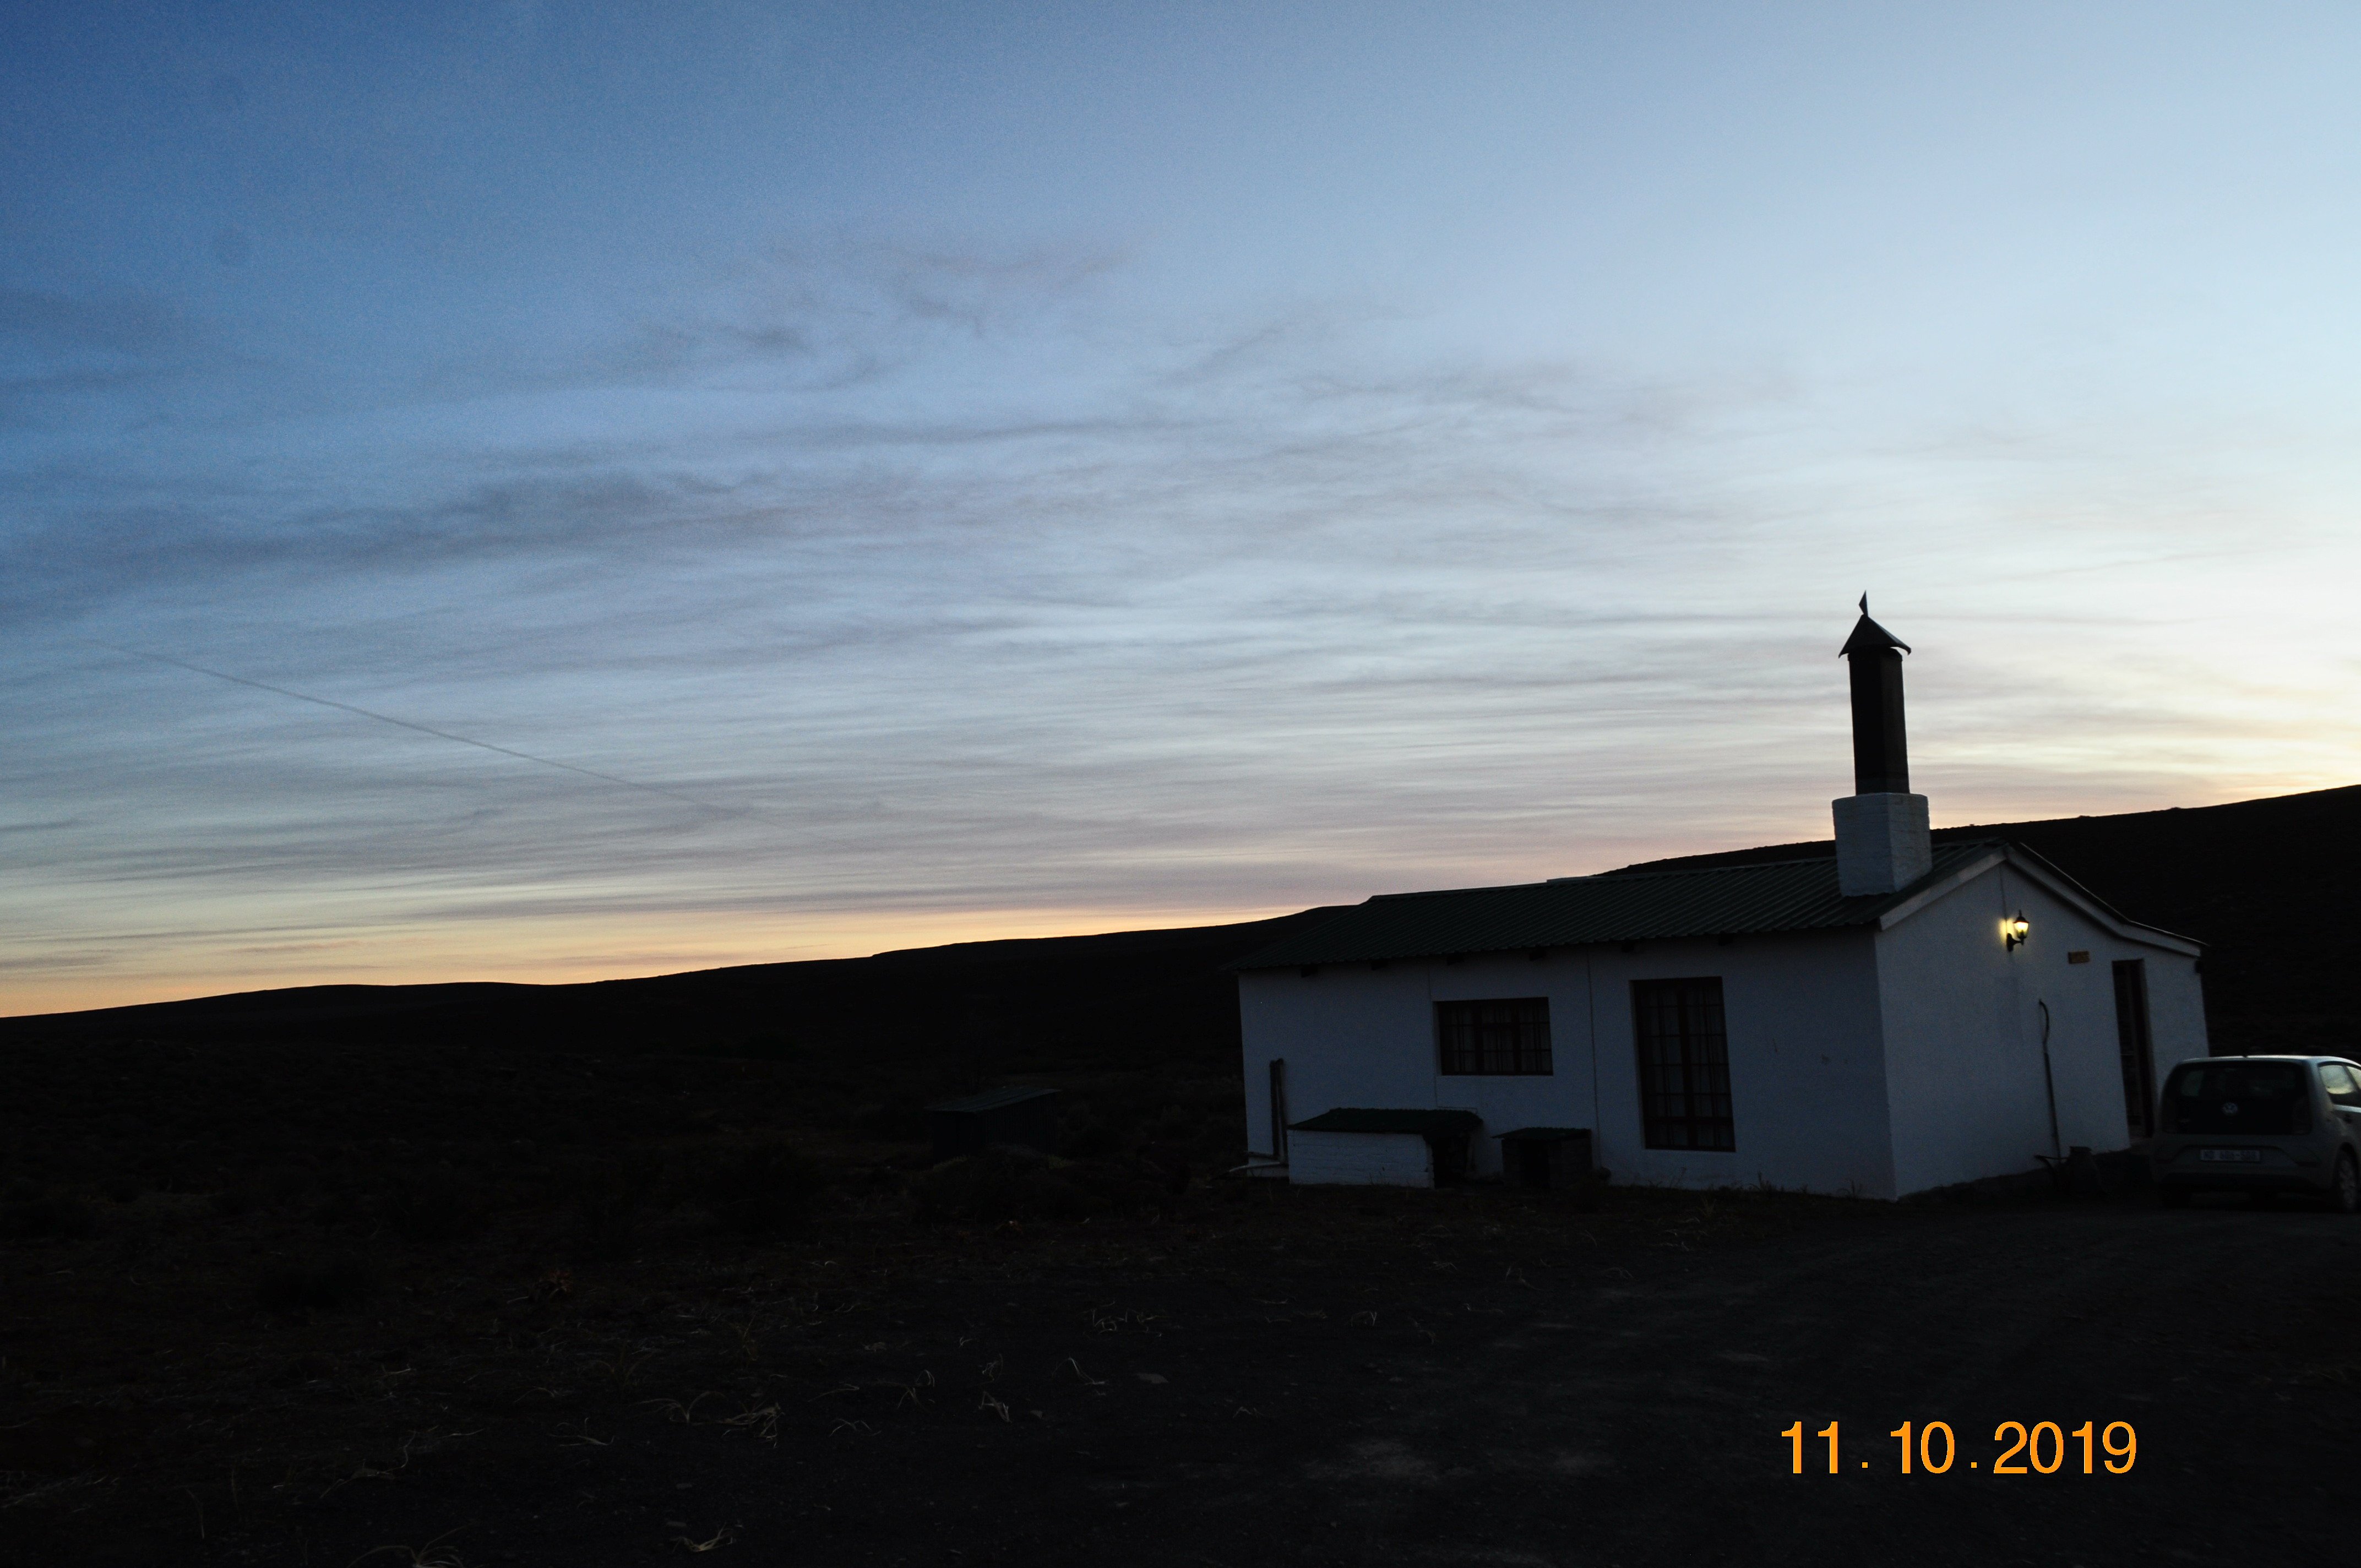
x=2234 y=1157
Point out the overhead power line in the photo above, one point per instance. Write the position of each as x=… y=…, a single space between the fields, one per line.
x=431 y=729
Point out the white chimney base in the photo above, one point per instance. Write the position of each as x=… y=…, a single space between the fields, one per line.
x=1883 y=842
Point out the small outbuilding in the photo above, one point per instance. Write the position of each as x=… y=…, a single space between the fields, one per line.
x=1892 y=1017
x=1024 y=1118
x=1383 y=1148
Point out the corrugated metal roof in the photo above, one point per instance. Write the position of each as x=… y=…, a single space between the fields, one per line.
x=1615 y=907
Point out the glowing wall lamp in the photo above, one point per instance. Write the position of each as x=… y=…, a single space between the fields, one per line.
x=2013 y=929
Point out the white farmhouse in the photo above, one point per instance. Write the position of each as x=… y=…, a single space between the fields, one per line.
x=1893 y=1018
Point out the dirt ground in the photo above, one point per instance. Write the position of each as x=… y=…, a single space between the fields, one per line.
x=1262 y=1375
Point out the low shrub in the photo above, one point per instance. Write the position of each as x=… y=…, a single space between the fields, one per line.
x=57 y=1216
x=900 y=1121
x=1087 y=1137
x=760 y=1189
x=1006 y=1183
x=1166 y=1166
x=606 y=1198
x=773 y=1045
x=323 y=1284
x=883 y=1179
x=308 y=1368
x=1178 y=1124
x=430 y=1208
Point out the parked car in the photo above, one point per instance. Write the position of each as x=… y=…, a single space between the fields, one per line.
x=2261 y=1125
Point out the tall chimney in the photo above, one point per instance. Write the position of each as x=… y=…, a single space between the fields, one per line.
x=1883 y=842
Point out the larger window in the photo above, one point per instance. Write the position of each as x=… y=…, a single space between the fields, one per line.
x=1684 y=1064
x=1510 y=1037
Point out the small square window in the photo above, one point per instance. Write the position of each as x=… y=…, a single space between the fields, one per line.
x=1501 y=1037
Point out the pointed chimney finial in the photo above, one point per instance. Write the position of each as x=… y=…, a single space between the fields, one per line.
x=1864 y=604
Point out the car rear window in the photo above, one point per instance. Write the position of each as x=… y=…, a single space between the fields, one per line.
x=2238 y=1097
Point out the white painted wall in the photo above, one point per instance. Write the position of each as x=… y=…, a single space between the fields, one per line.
x=1366 y=1159
x=2176 y=1010
x=1964 y=1030
x=1963 y=1070
x=1350 y=1036
x=1356 y=1036
x=1807 y=1087
x=1561 y=1099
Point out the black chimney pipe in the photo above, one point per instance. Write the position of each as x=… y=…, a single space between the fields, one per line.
x=1881 y=751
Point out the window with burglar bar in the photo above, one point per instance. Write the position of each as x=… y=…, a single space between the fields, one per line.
x=1684 y=1064
x=1501 y=1038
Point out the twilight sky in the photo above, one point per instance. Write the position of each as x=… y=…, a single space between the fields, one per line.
x=883 y=475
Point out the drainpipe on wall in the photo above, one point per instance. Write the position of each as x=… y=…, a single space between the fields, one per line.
x=2048 y=1081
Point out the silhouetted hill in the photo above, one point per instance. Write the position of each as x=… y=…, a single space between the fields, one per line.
x=2266 y=884
x=1113 y=1000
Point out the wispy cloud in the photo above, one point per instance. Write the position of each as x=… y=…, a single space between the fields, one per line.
x=921 y=587
x=60 y=353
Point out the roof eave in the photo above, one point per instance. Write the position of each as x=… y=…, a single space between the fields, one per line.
x=1910 y=902
x=2056 y=884
x=1248 y=965
x=2060 y=886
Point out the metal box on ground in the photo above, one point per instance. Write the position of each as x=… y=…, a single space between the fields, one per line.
x=1547 y=1156
x=1026 y=1117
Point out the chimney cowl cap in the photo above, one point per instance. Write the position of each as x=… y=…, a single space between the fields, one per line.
x=1868 y=637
